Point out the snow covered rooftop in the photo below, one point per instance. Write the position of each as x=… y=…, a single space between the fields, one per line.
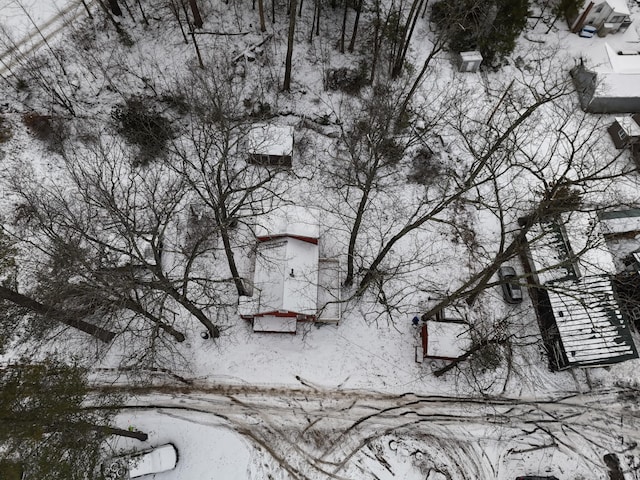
x=590 y=324
x=272 y=140
x=442 y=339
x=620 y=221
x=572 y=264
x=569 y=250
x=618 y=6
x=291 y=220
x=286 y=277
x=620 y=76
x=623 y=61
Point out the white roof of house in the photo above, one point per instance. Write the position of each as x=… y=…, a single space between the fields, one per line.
x=591 y=327
x=286 y=277
x=620 y=78
x=629 y=64
x=619 y=6
x=290 y=220
x=268 y=139
x=447 y=339
x=622 y=221
x=580 y=236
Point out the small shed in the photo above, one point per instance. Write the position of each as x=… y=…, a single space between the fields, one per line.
x=469 y=61
x=270 y=145
x=625 y=131
x=444 y=339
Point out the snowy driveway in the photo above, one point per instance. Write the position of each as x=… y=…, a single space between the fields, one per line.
x=315 y=433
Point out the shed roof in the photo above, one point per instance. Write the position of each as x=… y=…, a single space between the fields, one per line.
x=286 y=277
x=268 y=139
x=447 y=339
x=590 y=324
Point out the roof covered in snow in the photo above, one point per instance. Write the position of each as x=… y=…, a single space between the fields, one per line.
x=618 y=6
x=286 y=277
x=620 y=76
x=291 y=220
x=620 y=221
x=571 y=248
x=590 y=324
x=446 y=339
x=268 y=139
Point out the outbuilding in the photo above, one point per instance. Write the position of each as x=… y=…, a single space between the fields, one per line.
x=270 y=145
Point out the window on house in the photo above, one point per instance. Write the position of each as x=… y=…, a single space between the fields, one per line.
x=617 y=19
x=622 y=134
x=599 y=8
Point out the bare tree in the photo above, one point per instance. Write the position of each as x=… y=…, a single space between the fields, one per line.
x=214 y=162
x=286 y=86
x=111 y=240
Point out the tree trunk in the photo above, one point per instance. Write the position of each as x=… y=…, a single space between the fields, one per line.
x=144 y=16
x=263 y=27
x=237 y=280
x=137 y=308
x=86 y=7
x=115 y=8
x=355 y=229
x=352 y=42
x=292 y=28
x=376 y=45
x=124 y=433
x=197 y=19
x=466 y=355
x=53 y=314
x=176 y=13
x=344 y=26
x=408 y=33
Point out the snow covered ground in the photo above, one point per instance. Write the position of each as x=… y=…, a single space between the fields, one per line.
x=368 y=354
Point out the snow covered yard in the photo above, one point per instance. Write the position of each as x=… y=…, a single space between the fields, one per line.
x=350 y=401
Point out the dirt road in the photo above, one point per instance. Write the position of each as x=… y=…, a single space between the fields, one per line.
x=317 y=433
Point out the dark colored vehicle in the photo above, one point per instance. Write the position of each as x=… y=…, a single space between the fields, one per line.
x=536 y=477
x=511 y=289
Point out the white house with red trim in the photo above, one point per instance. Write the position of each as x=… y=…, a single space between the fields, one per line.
x=290 y=279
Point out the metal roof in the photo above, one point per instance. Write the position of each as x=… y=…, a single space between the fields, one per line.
x=591 y=327
x=571 y=263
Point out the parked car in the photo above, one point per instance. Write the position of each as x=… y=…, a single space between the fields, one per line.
x=588 y=31
x=147 y=462
x=511 y=289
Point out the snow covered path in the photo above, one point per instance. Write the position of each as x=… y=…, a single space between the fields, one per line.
x=19 y=21
x=316 y=433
